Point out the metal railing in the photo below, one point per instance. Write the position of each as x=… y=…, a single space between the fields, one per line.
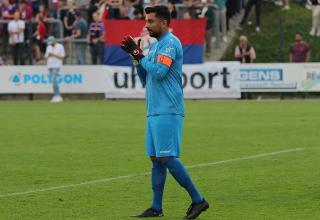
x=54 y=27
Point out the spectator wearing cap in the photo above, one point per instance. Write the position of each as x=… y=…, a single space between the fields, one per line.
x=96 y=39
x=16 y=29
x=315 y=30
x=299 y=50
x=55 y=55
x=244 y=52
x=80 y=32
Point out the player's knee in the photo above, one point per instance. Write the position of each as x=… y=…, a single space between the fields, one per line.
x=153 y=158
x=163 y=159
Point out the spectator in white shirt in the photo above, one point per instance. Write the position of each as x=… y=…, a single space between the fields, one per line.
x=55 y=55
x=16 y=38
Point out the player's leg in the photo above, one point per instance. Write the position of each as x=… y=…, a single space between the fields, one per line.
x=158 y=176
x=167 y=139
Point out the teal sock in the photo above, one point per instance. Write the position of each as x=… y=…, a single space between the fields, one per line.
x=181 y=175
x=158 y=176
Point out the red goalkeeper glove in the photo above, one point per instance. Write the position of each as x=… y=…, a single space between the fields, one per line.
x=130 y=46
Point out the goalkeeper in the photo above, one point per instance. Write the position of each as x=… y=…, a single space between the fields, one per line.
x=161 y=72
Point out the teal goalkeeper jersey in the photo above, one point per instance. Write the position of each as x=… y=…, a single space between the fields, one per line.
x=161 y=72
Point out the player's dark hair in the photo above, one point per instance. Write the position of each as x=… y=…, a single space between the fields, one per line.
x=161 y=11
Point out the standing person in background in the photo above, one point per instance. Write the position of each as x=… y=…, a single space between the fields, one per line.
x=39 y=37
x=96 y=39
x=250 y=4
x=207 y=12
x=222 y=18
x=244 y=52
x=54 y=8
x=299 y=50
x=25 y=11
x=286 y=5
x=172 y=10
x=69 y=20
x=315 y=30
x=80 y=32
x=16 y=29
x=55 y=55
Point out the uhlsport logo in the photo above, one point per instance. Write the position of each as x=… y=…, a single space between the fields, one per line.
x=19 y=79
x=312 y=79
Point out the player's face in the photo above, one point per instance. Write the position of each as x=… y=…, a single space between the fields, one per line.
x=154 y=25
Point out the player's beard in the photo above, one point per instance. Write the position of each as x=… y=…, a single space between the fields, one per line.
x=154 y=33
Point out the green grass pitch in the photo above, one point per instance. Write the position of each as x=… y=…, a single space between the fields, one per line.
x=45 y=145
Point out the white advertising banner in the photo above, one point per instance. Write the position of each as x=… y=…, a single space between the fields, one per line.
x=36 y=79
x=200 y=81
x=278 y=77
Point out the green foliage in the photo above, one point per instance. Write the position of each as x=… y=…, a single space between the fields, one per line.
x=46 y=145
x=267 y=42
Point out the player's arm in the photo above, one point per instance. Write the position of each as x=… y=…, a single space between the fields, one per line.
x=159 y=69
x=165 y=57
x=142 y=73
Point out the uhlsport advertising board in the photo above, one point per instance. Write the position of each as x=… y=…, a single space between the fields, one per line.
x=208 y=80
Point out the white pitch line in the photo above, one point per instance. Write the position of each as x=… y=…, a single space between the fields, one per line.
x=147 y=173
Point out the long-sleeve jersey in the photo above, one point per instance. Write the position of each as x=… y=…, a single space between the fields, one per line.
x=161 y=72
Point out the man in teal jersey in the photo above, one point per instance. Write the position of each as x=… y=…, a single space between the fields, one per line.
x=161 y=72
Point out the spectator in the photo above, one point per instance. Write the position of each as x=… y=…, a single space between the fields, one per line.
x=194 y=11
x=69 y=20
x=39 y=37
x=299 y=50
x=244 y=52
x=172 y=10
x=129 y=9
x=207 y=12
x=55 y=55
x=92 y=9
x=138 y=14
x=286 y=5
x=43 y=12
x=105 y=10
x=7 y=10
x=315 y=30
x=96 y=39
x=186 y=15
x=222 y=18
x=3 y=62
x=25 y=11
x=250 y=4
x=16 y=29
x=54 y=8
x=80 y=32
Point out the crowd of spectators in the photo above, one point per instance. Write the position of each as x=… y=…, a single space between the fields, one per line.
x=26 y=24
